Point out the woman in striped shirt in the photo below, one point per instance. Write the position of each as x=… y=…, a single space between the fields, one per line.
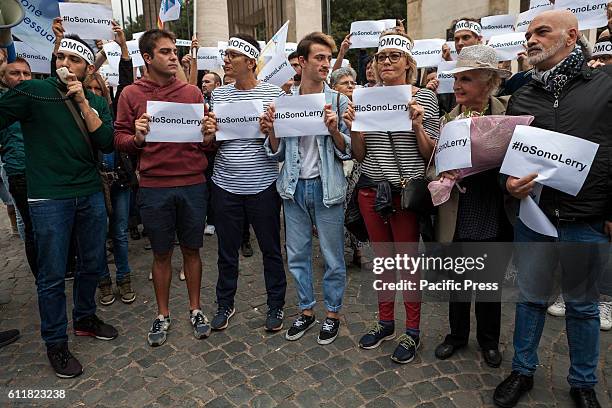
x=394 y=65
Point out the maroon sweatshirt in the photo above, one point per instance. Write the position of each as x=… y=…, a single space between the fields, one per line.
x=160 y=164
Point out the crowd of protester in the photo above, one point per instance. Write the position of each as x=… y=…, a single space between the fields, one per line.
x=79 y=177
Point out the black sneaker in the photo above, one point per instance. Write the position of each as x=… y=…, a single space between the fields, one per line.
x=201 y=328
x=8 y=336
x=584 y=398
x=63 y=362
x=274 y=319
x=299 y=327
x=94 y=327
x=508 y=393
x=221 y=319
x=378 y=333
x=329 y=330
x=159 y=331
x=405 y=351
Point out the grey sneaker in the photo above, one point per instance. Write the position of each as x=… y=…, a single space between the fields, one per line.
x=201 y=327
x=158 y=332
x=106 y=296
x=125 y=290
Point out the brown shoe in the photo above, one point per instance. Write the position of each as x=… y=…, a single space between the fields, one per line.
x=106 y=296
x=125 y=290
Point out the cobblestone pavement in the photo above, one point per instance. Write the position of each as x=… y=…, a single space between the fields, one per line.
x=244 y=366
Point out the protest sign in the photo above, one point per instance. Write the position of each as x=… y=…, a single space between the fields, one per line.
x=136 y=36
x=183 y=43
x=111 y=75
x=507 y=46
x=453 y=50
x=221 y=47
x=533 y=4
x=301 y=115
x=533 y=217
x=590 y=13
x=525 y=18
x=35 y=29
x=208 y=58
x=365 y=34
x=560 y=161
x=454 y=150
x=497 y=25
x=113 y=54
x=89 y=21
x=175 y=122
x=382 y=108
x=446 y=81
x=39 y=63
x=428 y=53
x=134 y=51
x=239 y=120
x=277 y=71
x=290 y=47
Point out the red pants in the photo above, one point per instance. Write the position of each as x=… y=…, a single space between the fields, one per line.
x=401 y=227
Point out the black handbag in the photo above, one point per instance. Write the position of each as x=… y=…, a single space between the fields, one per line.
x=415 y=195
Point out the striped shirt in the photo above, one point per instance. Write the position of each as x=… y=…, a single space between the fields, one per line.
x=379 y=163
x=242 y=165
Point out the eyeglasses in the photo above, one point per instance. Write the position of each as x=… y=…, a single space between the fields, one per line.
x=347 y=83
x=393 y=57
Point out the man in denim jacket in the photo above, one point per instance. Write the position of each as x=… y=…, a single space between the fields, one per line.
x=313 y=189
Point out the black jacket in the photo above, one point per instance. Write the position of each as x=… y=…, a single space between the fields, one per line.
x=583 y=110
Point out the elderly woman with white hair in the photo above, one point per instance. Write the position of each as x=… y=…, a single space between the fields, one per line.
x=479 y=214
x=344 y=80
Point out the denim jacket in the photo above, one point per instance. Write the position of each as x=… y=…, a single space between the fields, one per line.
x=332 y=175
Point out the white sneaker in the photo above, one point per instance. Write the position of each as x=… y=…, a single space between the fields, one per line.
x=150 y=276
x=557 y=308
x=209 y=230
x=605 y=315
x=182 y=274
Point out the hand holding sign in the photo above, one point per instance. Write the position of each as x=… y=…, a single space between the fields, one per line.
x=521 y=187
x=210 y=125
x=416 y=114
x=141 y=125
x=349 y=115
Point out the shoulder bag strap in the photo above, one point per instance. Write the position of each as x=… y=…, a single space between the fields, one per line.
x=79 y=121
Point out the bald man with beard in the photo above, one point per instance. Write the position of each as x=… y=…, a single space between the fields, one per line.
x=568 y=97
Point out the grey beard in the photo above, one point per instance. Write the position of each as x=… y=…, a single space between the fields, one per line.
x=547 y=53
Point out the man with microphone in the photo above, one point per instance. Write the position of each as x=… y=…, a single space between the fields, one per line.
x=65 y=193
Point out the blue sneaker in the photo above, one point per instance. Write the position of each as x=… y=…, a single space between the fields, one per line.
x=378 y=333
x=405 y=351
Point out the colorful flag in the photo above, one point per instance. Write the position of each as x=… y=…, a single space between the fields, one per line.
x=169 y=10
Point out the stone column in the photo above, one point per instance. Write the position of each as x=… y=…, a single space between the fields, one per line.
x=305 y=16
x=212 y=22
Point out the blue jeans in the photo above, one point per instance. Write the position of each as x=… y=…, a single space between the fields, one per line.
x=301 y=213
x=118 y=228
x=53 y=222
x=581 y=267
x=8 y=199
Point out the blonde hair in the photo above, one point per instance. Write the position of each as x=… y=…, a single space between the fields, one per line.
x=491 y=78
x=411 y=63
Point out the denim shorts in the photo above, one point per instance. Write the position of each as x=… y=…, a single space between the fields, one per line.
x=169 y=212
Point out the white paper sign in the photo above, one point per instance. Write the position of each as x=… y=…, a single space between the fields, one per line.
x=526 y=17
x=38 y=63
x=277 y=71
x=290 y=47
x=383 y=108
x=497 y=25
x=507 y=46
x=300 y=115
x=221 y=47
x=208 y=58
x=239 y=120
x=365 y=34
x=111 y=75
x=453 y=50
x=89 y=21
x=113 y=54
x=538 y=3
x=175 y=122
x=183 y=43
x=560 y=161
x=428 y=53
x=590 y=13
x=533 y=217
x=136 y=36
x=446 y=81
x=454 y=149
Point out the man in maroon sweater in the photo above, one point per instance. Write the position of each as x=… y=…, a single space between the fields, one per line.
x=172 y=196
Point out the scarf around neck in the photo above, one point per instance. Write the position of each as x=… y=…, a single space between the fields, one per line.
x=555 y=79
